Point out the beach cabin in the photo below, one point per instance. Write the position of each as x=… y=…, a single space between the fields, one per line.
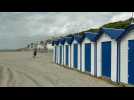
x=127 y=56
x=107 y=53
x=54 y=54
x=89 y=53
x=55 y=51
x=76 y=52
x=61 y=51
x=67 y=51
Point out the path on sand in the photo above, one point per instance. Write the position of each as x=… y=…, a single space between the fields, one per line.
x=20 y=69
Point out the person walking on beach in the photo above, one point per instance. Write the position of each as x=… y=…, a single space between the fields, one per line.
x=34 y=53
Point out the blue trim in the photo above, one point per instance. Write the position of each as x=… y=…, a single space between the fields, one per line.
x=56 y=42
x=62 y=41
x=116 y=34
x=92 y=36
x=79 y=38
x=128 y=29
x=69 y=40
x=111 y=32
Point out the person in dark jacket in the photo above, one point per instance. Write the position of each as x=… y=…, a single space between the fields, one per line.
x=34 y=53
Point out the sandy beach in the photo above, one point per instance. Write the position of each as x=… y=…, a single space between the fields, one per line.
x=19 y=69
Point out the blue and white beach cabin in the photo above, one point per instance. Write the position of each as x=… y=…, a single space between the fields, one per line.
x=58 y=52
x=67 y=51
x=55 y=51
x=127 y=55
x=76 y=52
x=54 y=58
x=61 y=50
x=108 y=53
x=89 y=53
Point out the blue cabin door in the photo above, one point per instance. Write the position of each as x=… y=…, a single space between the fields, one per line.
x=106 y=59
x=75 y=55
x=131 y=61
x=60 y=54
x=67 y=54
x=88 y=57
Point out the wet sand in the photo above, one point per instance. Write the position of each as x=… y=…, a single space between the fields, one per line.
x=19 y=69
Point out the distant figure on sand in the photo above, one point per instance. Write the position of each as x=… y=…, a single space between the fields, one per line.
x=34 y=53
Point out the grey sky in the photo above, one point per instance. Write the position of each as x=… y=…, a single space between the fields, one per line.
x=17 y=29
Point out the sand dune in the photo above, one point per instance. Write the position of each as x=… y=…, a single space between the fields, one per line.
x=20 y=69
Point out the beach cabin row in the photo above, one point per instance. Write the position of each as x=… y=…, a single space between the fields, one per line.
x=108 y=53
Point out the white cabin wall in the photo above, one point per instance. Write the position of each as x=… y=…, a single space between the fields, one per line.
x=72 y=55
x=83 y=57
x=105 y=38
x=83 y=53
x=69 y=56
x=79 y=60
x=124 y=56
x=75 y=42
x=92 y=58
x=86 y=40
x=54 y=54
x=58 y=54
x=114 y=60
x=64 y=55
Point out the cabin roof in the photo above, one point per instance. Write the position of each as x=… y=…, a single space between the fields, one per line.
x=91 y=36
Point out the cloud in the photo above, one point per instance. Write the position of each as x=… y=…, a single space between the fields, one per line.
x=17 y=29
x=121 y=16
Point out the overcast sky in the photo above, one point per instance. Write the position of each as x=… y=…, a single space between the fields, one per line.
x=17 y=29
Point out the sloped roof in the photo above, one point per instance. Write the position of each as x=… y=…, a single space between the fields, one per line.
x=129 y=28
x=79 y=38
x=62 y=40
x=52 y=43
x=55 y=42
x=69 y=39
x=91 y=36
x=113 y=33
